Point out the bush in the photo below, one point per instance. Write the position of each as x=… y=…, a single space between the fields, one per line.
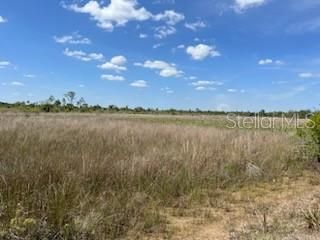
x=314 y=126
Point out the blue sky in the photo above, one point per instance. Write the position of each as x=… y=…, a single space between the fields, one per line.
x=208 y=54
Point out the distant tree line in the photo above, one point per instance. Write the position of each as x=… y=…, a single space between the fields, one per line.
x=71 y=103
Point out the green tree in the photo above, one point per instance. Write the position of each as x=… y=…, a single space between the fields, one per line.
x=51 y=100
x=57 y=103
x=81 y=102
x=70 y=97
x=262 y=113
x=113 y=108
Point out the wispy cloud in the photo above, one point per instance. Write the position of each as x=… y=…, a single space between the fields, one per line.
x=202 y=85
x=139 y=84
x=242 y=5
x=167 y=90
x=164 y=1
x=170 y=17
x=4 y=64
x=112 y=77
x=311 y=25
x=17 y=83
x=269 y=61
x=29 y=76
x=309 y=75
x=289 y=93
x=203 y=88
x=157 y=45
x=194 y=26
x=86 y=57
x=143 y=35
x=3 y=20
x=234 y=90
x=206 y=83
x=279 y=82
x=75 y=38
x=164 y=31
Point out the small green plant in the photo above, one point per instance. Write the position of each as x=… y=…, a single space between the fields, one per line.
x=20 y=225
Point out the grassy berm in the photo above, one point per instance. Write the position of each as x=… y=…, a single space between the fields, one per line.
x=95 y=177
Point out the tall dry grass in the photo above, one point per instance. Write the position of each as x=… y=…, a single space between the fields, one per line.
x=96 y=178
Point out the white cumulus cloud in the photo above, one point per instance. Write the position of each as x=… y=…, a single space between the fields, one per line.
x=120 y=12
x=116 y=63
x=202 y=51
x=165 y=69
x=117 y=13
x=118 y=60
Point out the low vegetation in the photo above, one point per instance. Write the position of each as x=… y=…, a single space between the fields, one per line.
x=314 y=128
x=96 y=177
x=71 y=103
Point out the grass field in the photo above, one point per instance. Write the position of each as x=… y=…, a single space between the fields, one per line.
x=83 y=176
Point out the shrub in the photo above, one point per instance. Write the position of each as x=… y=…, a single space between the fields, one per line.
x=314 y=126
